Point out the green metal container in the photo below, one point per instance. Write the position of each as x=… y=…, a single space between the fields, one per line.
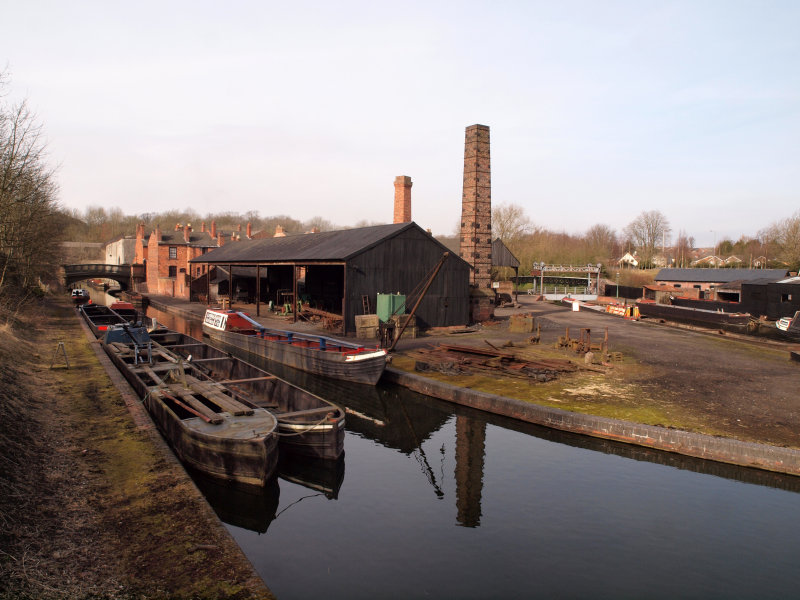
x=389 y=304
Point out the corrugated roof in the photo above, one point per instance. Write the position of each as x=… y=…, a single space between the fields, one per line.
x=327 y=245
x=720 y=275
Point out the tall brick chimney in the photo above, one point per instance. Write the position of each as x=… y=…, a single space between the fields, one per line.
x=476 y=206
x=213 y=229
x=221 y=240
x=249 y=230
x=187 y=229
x=203 y=227
x=402 y=199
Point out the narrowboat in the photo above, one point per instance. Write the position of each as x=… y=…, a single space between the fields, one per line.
x=237 y=332
x=79 y=296
x=695 y=316
x=210 y=428
x=308 y=425
x=790 y=326
x=99 y=317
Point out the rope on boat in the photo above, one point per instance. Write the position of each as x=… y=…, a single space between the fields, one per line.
x=312 y=427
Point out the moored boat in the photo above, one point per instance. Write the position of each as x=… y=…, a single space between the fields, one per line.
x=80 y=296
x=210 y=428
x=100 y=317
x=697 y=316
x=789 y=326
x=309 y=426
x=320 y=355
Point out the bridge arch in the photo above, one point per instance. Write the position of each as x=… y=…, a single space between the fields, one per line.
x=119 y=273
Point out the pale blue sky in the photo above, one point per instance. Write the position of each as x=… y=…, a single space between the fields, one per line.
x=598 y=110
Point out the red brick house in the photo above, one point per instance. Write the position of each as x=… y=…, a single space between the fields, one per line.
x=166 y=255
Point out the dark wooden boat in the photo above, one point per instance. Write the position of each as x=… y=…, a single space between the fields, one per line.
x=308 y=425
x=99 y=317
x=696 y=316
x=210 y=428
x=320 y=355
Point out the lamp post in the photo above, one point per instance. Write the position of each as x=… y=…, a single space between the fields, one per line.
x=617 y=285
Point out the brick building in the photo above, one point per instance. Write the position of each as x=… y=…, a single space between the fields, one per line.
x=166 y=256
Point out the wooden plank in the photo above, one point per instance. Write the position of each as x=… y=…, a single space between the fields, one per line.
x=190 y=404
x=202 y=360
x=194 y=403
x=223 y=401
x=248 y=380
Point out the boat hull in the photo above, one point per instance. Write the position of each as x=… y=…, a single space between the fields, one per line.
x=242 y=449
x=325 y=364
x=309 y=426
x=696 y=316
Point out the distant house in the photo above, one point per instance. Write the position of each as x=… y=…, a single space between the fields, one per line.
x=628 y=260
x=708 y=261
x=120 y=251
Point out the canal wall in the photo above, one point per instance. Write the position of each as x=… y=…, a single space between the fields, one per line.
x=726 y=450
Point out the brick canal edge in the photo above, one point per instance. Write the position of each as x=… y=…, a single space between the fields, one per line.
x=707 y=447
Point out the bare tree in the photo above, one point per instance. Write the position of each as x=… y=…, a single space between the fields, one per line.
x=784 y=238
x=509 y=222
x=601 y=244
x=28 y=235
x=647 y=232
x=683 y=249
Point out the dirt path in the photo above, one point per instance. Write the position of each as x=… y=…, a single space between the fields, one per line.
x=91 y=505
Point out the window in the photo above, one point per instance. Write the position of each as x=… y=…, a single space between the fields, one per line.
x=173 y=253
x=786 y=297
x=173 y=270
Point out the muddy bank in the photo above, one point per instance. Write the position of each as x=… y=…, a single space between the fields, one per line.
x=93 y=504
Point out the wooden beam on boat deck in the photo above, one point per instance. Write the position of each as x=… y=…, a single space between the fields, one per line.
x=248 y=380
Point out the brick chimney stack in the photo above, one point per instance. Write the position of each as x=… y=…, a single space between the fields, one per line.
x=249 y=231
x=213 y=229
x=239 y=227
x=203 y=227
x=402 y=199
x=187 y=229
x=221 y=240
x=279 y=231
x=476 y=206
x=177 y=226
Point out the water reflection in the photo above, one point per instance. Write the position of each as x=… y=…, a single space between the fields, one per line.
x=248 y=507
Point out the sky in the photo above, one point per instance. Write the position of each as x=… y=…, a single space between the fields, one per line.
x=599 y=110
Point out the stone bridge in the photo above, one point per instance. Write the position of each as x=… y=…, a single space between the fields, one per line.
x=119 y=273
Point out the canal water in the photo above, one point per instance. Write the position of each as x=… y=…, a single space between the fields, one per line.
x=437 y=501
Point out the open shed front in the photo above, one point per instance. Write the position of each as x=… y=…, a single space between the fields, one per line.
x=339 y=274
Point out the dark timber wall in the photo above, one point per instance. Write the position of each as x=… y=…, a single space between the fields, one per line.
x=400 y=264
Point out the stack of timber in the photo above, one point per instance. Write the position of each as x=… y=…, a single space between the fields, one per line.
x=451 y=359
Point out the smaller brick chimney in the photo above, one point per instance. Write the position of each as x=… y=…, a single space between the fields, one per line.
x=221 y=240
x=203 y=227
x=239 y=227
x=249 y=231
x=187 y=229
x=279 y=231
x=177 y=226
x=402 y=199
x=213 y=229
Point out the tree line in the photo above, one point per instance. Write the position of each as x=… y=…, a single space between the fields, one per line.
x=648 y=236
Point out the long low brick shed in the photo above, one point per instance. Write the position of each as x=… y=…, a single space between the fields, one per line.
x=746 y=454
